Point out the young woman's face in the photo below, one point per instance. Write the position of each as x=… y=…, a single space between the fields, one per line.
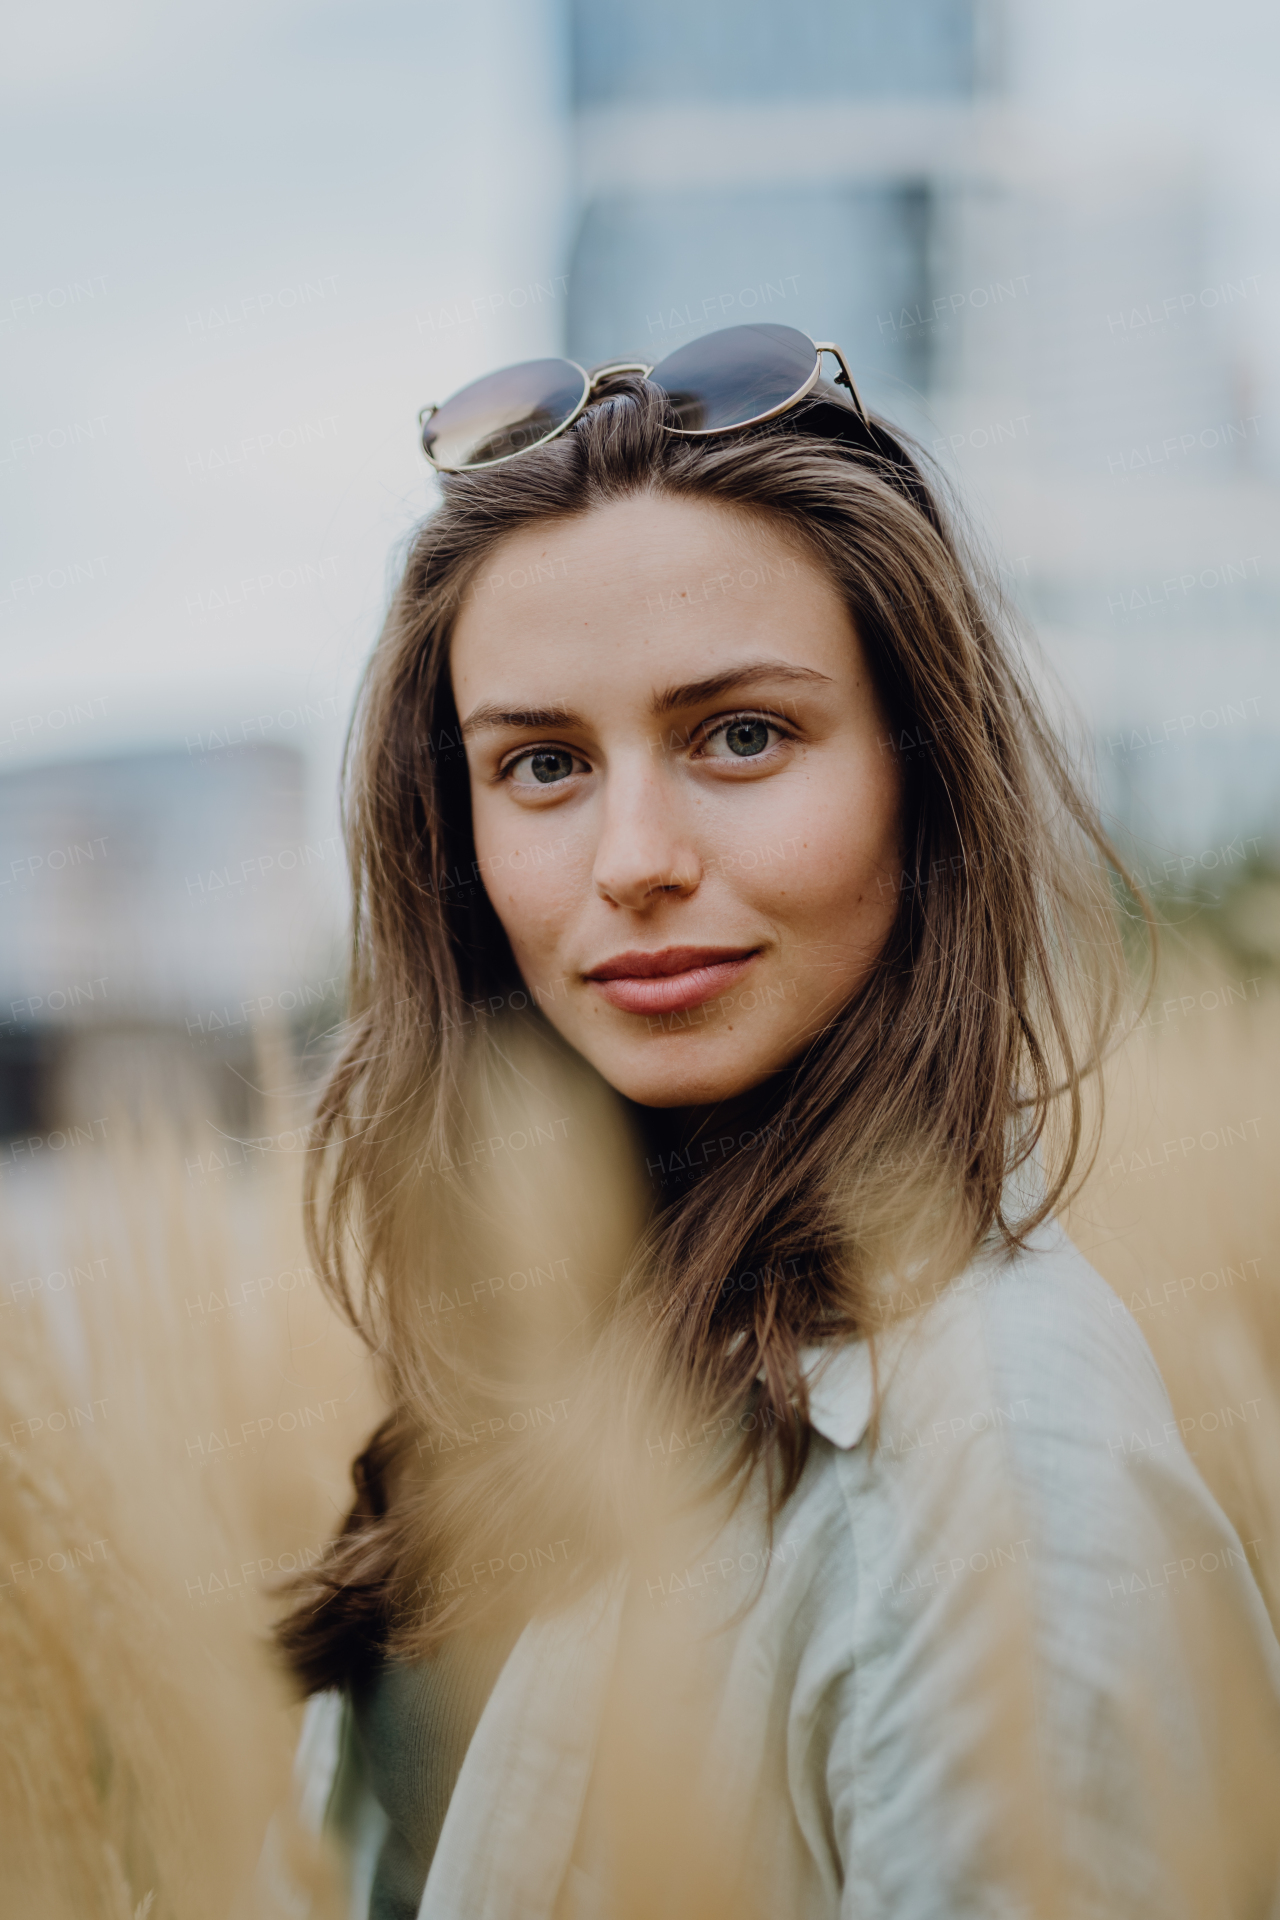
x=686 y=811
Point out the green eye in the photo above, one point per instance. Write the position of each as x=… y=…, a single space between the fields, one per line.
x=547 y=766
x=746 y=737
x=742 y=739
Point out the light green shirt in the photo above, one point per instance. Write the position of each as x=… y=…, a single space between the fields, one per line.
x=1030 y=1516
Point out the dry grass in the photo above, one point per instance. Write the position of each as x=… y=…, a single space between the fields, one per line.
x=1182 y=1217
x=149 y=1736
x=198 y=1407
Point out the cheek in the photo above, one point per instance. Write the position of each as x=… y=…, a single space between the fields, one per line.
x=531 y=873
x=836 y=861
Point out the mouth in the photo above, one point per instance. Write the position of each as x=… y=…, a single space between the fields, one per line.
x=672 y=979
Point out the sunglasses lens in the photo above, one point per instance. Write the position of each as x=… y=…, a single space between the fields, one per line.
x=734 y=375
x=502 y=414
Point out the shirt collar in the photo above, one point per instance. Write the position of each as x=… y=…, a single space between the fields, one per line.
x=840 y=1390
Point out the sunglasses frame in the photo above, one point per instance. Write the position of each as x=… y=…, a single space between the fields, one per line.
x=595 y=378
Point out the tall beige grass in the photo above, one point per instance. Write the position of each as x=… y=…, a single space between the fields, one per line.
x=1182 y=1217
x=148 y=1737
x=180 y=1409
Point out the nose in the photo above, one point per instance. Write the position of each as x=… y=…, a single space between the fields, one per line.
x=646 y=851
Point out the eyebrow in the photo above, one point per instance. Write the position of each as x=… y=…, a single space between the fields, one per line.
x=691 y=694
x=694 y=692
x=491 y=716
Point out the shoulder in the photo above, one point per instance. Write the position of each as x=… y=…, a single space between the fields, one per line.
x=1041 y=1330
x=1035 y=1339
x=1037 y=1602
x=1021 y=1407
x=1022 y=1420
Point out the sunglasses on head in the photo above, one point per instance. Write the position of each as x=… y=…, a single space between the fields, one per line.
x=736 y=377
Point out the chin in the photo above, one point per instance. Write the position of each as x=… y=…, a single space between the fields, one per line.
x=690 y=1082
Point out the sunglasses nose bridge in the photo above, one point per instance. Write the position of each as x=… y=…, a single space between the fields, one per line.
x=605 y=372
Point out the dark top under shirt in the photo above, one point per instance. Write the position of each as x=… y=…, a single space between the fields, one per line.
x=413 y=1725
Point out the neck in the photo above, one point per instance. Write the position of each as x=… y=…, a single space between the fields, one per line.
x=682 y=1144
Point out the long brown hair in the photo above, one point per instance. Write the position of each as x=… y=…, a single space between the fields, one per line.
x=891 y=1141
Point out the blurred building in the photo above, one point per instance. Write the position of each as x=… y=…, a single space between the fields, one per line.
x=1064 y=323
x=165 y=928
x=736 y=163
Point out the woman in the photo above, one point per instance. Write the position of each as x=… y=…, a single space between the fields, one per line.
x=756 y=1527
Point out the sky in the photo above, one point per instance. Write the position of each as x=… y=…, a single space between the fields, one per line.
x=236 y=239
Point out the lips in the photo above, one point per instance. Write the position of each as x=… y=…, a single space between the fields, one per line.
x=672 y=979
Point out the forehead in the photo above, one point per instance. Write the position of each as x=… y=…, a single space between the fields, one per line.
x=643 y=589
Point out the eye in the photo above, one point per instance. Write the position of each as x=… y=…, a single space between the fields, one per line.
x=544 y=767
x=744 y=738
